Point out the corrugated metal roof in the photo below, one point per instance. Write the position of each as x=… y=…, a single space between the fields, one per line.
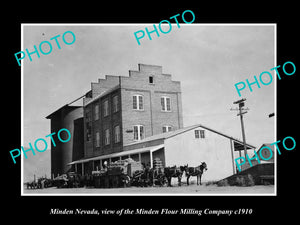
x=119 y=154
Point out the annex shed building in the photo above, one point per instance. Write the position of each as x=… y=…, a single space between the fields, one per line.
x=191 y=145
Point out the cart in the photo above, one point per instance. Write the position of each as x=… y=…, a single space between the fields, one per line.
x=117 y=174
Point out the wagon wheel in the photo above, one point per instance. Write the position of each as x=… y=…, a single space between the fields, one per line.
x=162 y=180
x=126 y=181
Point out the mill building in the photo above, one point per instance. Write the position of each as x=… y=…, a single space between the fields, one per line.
x=138 y=116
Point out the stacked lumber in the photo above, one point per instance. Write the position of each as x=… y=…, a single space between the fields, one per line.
x=116 y=169
x=126 y=166
x=157 y=164
x=98 y=172
x=134 y=166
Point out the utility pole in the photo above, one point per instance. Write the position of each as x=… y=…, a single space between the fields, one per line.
x=241 y=112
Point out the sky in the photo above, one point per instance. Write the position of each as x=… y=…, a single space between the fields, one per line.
x=208 y=59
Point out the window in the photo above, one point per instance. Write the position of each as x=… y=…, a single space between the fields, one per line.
x=105 y=108
x=117 y=134
x=202 y=134
x=199 y=134
x=166 y=129
x=88 y=124
x=106 y=137
x=96 y=112
x=165 y=104
x=97 y=139
x=138 y=132
x=137 y=102
x=115 y=103
x=151 y=80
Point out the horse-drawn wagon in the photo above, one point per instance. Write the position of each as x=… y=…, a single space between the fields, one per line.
x=123 y=173
x=41 y=183
x=117 y=174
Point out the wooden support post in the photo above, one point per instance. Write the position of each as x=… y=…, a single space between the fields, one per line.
x=151 y=159
x=232 y=156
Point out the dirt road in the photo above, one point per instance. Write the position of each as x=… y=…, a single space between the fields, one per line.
x=183 y=190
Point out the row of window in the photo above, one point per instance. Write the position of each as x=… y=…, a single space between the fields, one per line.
x=138 y=134
x=106 y=136
x=115 y=107
x=199 y=134
x=139 y=131
x=137 y=104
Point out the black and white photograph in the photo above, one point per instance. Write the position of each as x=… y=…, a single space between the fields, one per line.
x=147 y=114
x=160 y=117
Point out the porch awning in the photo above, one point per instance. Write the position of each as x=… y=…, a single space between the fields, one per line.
x=119 y=154
x=240 y=147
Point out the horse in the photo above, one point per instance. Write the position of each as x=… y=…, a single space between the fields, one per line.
x=195 y=171
x=32 y=185
x=174 y=172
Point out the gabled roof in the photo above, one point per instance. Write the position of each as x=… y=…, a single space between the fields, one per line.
x=185 y=129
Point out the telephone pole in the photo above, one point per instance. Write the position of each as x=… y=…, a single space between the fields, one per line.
x=242 y=111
